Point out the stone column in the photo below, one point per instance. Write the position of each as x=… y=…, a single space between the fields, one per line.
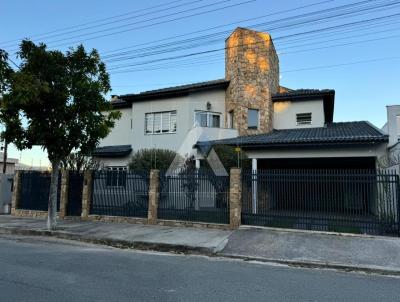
x=87 y=193
x=235 y=198
x=16 y=192
x=64 y=193
x=154 y=195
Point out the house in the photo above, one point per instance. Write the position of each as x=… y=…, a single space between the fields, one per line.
x=276 y=126
x=11 y=165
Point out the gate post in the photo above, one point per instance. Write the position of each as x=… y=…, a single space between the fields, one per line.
x=16 y=192
x=235 y=198
x=86 y=193
x=154 y=195
x=64 y=193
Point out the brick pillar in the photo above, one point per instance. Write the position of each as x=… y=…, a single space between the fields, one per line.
x=87 y=193
x=16 y=192
x=154 y=195
x=235 y=198
x=64 y=193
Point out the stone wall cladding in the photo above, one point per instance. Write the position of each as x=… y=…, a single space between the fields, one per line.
x=235 y=198
x=252 y=67
x=29 y=213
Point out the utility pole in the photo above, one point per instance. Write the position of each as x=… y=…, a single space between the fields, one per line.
x=5 y=157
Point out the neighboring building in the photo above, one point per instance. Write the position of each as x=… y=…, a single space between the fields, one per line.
x=276 y=126
x=392 y=129
x=11 y=165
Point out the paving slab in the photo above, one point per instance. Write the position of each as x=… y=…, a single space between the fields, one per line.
x=124 y=234
x=352 y=251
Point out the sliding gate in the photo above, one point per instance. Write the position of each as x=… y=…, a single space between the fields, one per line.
x=352 y=201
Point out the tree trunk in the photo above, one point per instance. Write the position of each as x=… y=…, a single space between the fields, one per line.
x=52 y=206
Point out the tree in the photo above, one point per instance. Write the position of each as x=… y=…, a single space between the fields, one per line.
x=77 y=161
x=57 y=100
x=146 y=159
x=5 y=78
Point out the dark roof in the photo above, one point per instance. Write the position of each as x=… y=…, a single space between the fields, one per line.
x=174 y=91
x=332 y=134
x=112 y=151
x=327 y=95
x=119 y=104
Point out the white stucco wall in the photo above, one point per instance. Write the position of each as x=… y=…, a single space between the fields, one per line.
x=285 y=113
x=393 y=126
x=356 y=151
x=121 y=134
x=185 y=108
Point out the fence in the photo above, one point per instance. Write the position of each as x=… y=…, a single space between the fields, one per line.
x=196 y=195
x=75 y=187
x=120 y=193
x=35 y=189
x=356 y=201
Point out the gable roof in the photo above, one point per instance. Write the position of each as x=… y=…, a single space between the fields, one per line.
x=175 y=91
x=327 y=95
x=333 y=134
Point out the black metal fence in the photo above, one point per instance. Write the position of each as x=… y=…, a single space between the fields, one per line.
x=75 y=187
x=120 y=193
x=355 y=201
x=195 y=195
x=35 y=189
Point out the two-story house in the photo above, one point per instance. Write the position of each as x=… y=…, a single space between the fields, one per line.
x=277 y=127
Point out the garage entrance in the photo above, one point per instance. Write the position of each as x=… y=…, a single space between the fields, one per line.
x=343 y=195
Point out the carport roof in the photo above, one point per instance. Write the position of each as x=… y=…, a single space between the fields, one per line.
x=112 y=151
x=332 y=134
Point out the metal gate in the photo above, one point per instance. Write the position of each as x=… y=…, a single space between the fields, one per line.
x=35 y=189
x=352 y=201
x=74 y=204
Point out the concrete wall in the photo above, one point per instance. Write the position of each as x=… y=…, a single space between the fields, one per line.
x=285 y=114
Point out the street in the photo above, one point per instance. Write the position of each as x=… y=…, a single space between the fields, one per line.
x=45 y=269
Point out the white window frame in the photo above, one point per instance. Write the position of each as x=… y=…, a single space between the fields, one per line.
x=119 y=182
x=304 y=123
x=172 y=113
x=209 y=118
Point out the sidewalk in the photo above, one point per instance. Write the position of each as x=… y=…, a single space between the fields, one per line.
x=298 y=248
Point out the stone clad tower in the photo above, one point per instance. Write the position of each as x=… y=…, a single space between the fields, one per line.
x=252 y=67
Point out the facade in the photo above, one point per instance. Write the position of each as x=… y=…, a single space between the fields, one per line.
x=276 y=126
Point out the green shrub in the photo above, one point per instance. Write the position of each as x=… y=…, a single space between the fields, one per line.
x=230 y=159
x=146 y=159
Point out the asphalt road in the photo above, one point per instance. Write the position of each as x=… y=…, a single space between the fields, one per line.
x=43 y=269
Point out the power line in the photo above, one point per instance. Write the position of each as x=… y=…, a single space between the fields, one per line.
x=254 y=43
x=156 y=50
x=96 y=21
x=341 y=64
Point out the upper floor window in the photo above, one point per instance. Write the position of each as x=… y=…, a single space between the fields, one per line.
x=304 y=118
x=253 y=117
x=207 y=119
x=116 y=176
x=160 y=122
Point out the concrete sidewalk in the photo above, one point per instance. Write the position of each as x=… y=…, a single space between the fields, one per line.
x=291 y=247
x=124 y=235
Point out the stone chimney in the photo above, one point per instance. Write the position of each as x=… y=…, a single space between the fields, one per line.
x=252 y=67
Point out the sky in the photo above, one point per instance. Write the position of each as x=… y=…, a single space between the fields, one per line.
x=356 y=53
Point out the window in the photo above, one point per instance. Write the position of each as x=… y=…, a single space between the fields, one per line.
x=252 y=119
x=207 y=119
x=230 y=119
x=116 y=177
x=304 y=118
x=160 y=122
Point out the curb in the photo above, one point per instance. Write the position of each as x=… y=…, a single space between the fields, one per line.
x=121 y=244
x=316 y=265
x=191 y=250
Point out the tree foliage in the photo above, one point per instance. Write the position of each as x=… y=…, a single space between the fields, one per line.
x=80 y=162
x=146 y=159
x=230 y=158
x=57 y=101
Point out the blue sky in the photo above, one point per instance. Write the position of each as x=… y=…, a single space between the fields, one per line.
x=362 y=89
